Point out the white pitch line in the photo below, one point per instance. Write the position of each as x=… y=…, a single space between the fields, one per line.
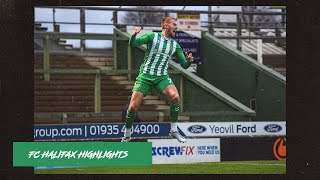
x=256 y=164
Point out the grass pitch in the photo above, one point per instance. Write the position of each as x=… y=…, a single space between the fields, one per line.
x=227 y=167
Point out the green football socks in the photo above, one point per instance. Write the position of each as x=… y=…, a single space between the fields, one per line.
x=174 y=111
x=130 y=118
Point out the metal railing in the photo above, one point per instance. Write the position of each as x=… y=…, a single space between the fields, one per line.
x=238 y=25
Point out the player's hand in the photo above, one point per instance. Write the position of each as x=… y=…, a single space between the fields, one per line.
x=189 y=57
x=136 y=30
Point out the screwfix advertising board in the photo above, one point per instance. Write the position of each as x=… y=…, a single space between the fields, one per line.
x=170 y=151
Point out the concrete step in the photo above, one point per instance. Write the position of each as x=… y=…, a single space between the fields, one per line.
x=150 y=97
x=54 y=104
x=83 y=66
x=92 y=63
x=153 y=102
x=64 y=109
x=81 y=77
x=75 y=58
x=47 y=121
x=281 y=70
x=91 y=103
x=82 y=87
x=74 y=66
x=103 y=108
x=184 y=118
x=79 y=61
x=113 y=120
x=273 y=60
x=85 y=82
x=88 y=98
x=76 y=103
x=94 y=120
x=77 y=53
x=81 y=92
x=154 y=107
x=78 y=98
x=117 y=119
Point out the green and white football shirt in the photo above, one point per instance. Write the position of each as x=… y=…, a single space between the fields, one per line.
x=159 y=52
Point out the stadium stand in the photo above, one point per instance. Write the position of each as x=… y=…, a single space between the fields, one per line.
x=274 y=55
x=75 y=93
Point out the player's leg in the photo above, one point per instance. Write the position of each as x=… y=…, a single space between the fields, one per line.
x=172 y=93
x=131 y=114
x=167 y=88
x=140 y=89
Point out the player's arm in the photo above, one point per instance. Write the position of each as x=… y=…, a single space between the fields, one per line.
x=184 y=60
x=134 y=42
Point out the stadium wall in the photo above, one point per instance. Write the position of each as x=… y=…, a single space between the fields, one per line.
x=244 y=79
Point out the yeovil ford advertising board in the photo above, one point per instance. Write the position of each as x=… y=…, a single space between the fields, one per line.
x=170 y=151
x=217 y=129
x=147 y=130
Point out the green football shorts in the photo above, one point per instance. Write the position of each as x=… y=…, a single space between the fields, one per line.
x=144 y=83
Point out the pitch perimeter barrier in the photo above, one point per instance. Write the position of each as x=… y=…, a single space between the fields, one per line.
x=157 y=130
x=207 y=142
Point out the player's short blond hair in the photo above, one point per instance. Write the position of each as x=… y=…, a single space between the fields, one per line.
x=166 y=20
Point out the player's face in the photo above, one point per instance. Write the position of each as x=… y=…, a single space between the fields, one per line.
x=172 y=28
